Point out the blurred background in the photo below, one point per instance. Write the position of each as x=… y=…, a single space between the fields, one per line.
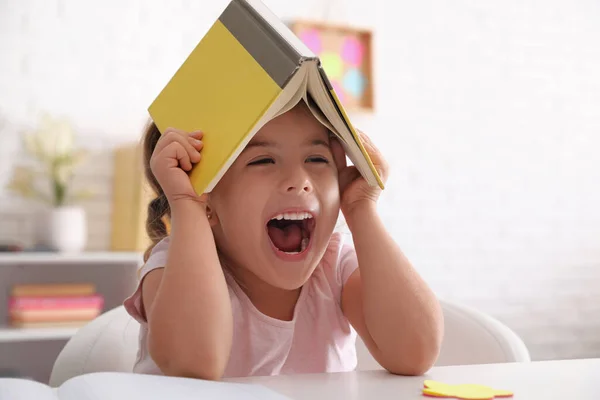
x=488 y=113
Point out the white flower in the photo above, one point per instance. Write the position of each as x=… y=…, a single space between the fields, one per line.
x=52 y=144
x=53 y=139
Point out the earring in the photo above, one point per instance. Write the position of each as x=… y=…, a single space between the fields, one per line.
x=209 y=216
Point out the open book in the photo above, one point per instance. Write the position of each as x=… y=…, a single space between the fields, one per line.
x=248 y=69
x=129 y=386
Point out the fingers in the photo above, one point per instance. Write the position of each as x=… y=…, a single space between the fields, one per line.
x=172 y=155
x=177 y=148
x=347 y=176
x=369 y=145
x=196 y=145
x=174 y=151
x=374 y=154
x=190 y=141
x=165 y=139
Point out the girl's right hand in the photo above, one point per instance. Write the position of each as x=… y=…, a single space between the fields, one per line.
x=174 y=155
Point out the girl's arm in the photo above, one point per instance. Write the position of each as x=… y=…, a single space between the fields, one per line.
x=390 y=306
x=187 y=303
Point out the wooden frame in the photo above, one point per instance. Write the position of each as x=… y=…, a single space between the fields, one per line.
x=131 y=196
x=346 y=55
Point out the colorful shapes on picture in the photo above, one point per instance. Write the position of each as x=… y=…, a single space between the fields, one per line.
x=354 y=82
x=352 y=51
x=312 y=39
x=346 y=58
x=332 y=64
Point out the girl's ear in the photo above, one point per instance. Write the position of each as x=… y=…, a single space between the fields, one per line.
x=213 y=219
x=339 y=156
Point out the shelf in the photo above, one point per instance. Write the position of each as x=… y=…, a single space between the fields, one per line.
x=105 y=258
x=8 y=334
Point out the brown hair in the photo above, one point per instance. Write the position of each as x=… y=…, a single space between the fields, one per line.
x=158 y=208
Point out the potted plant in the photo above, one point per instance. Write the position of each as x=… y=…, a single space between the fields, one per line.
x=49 y=179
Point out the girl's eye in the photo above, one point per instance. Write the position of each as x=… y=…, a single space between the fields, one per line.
x=317 y=159
x=260 y=161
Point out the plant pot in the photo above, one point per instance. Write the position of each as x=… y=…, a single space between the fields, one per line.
x=63 y=229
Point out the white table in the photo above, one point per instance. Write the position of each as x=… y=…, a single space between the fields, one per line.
x=545 y=380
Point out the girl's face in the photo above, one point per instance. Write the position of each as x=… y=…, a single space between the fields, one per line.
x=276 y=207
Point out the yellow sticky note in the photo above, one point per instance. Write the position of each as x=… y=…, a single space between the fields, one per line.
x=463 y=391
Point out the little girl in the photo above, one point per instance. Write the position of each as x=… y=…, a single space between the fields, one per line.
x=252 y=280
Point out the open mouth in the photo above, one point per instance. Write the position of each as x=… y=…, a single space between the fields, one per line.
x=290 y=232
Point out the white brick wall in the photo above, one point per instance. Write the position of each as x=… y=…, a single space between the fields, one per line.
x=487 y=112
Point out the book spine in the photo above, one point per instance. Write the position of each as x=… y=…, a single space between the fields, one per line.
x=69 y=302
x=54 y=315
x=51 y=324
x=53 y=290
x=271 y=24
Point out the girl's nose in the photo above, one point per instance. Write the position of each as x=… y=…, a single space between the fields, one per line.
x=297 y=182
x=303 y=187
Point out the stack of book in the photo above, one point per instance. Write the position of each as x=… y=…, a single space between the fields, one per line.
x=53 y=305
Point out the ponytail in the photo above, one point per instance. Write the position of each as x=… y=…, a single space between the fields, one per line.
x=158 y=208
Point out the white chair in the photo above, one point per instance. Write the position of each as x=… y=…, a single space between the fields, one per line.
x=109 y=343
x=470 y=337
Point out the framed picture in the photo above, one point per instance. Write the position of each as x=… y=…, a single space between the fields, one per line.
x=346 y=55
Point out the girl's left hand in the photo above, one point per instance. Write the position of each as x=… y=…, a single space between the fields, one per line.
x=355 y=192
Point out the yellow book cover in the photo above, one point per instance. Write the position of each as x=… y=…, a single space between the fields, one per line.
x=248 y=68
x=53 y=289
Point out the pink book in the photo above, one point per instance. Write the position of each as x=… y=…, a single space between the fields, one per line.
x=58 y=315
x=45 y=303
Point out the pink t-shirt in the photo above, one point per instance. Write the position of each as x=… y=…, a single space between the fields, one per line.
x=319 y=338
